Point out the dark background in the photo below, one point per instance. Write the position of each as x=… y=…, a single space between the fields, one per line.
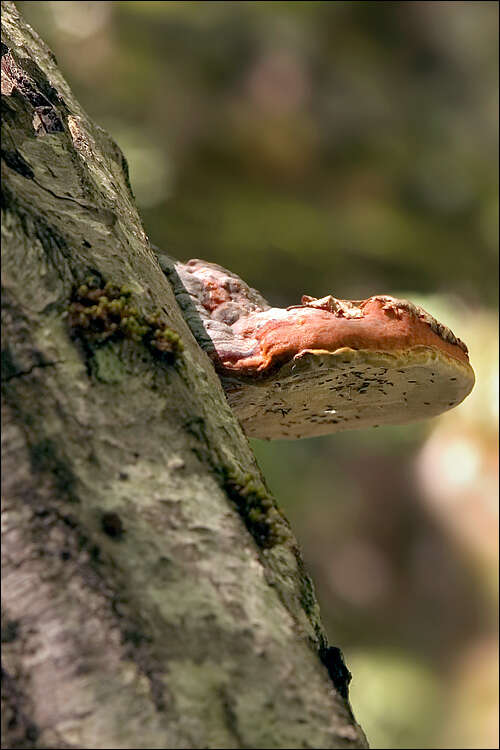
x=347 y=148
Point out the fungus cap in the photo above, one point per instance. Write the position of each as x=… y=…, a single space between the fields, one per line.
x=325 y=365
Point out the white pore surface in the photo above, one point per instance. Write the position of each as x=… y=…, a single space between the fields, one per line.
x=323 y=392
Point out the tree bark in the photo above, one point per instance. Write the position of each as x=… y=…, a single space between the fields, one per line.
x=153 y=594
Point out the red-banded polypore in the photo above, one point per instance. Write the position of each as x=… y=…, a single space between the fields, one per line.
x=327 y=364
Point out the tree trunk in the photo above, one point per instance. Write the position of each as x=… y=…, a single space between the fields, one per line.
x=153 y=594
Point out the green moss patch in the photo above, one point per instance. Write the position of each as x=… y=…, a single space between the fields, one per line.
x=103 y=312
x=258 y=509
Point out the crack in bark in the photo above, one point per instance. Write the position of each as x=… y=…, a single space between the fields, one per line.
x=38 y=365
x=86 y=207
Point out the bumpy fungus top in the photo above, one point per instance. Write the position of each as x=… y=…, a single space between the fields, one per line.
x=327 y=364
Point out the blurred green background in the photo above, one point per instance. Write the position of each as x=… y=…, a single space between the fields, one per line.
x=347 y=148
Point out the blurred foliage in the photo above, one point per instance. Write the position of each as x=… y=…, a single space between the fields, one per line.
x=347 y=148
x=349 y=145
x=390 y=685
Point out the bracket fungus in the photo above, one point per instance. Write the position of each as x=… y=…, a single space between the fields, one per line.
x=327 y=364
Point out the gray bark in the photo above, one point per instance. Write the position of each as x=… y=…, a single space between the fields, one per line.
x=153 y=596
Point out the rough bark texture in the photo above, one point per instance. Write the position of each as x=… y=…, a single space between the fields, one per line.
x=153 y=595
